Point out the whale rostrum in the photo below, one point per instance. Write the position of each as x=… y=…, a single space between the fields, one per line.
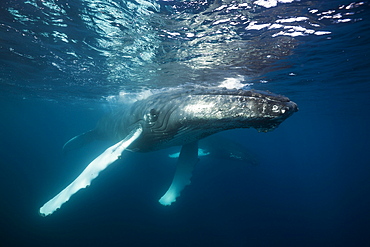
x=176 y=117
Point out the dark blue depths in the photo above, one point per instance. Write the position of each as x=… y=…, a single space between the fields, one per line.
x=310 y=188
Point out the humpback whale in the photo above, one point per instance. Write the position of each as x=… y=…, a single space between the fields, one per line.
x=176 y=117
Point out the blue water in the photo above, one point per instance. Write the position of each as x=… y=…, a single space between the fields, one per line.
x=64 y=64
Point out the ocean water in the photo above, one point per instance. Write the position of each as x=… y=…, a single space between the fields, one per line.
x=64 y=64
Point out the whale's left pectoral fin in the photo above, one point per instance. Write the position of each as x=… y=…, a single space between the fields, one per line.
x=185 y=165
x=91 y=171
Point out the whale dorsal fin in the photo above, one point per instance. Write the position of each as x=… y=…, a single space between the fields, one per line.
x=91 y=171
x=185 y=165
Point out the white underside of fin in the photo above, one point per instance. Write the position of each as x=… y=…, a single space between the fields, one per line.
x=201 y=152
x=91 y=171
x=187 y=159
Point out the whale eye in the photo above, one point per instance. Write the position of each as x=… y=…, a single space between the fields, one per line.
x=152 y=116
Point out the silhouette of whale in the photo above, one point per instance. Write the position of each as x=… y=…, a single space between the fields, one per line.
x=176 y=117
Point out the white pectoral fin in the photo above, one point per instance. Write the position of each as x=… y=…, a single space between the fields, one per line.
x=185 y=165
x=91 y=171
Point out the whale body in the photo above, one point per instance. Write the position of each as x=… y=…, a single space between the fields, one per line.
x=176 y=117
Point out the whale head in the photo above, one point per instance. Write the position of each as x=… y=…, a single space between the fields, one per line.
x=229 y=109
x=182 y=116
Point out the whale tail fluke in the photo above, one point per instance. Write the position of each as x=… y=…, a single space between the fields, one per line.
x=79 y=141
